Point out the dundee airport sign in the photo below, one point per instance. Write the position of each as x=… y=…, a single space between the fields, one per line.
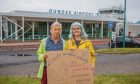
x=54 y=11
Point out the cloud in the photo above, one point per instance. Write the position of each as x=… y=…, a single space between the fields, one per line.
x=73 y=5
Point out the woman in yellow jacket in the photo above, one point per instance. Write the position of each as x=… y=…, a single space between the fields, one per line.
x=78 y=40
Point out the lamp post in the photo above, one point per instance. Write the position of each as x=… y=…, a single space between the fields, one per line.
x=124 y=34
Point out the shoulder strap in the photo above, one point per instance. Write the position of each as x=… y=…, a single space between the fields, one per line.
x=45 y=41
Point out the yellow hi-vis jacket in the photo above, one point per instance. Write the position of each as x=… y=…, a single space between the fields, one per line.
x=83 y=45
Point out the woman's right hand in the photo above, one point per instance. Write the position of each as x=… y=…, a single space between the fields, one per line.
x=72 y=48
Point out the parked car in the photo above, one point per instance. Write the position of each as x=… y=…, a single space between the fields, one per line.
x=130 y=42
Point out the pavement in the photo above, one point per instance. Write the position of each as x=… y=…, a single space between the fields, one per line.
x=12 y=46
x=19 y=46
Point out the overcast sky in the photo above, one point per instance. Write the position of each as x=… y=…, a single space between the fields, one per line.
x=133 y=6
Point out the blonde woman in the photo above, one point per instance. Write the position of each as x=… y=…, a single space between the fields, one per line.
x=53 y=42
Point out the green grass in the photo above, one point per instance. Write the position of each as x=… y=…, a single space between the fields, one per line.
x=18 y=80
x=118 y=51
x=118 y=79
x=98 y=79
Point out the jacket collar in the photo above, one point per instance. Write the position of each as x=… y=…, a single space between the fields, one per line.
x=73 y=41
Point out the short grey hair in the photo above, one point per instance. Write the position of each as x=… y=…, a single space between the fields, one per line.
x=57 y=24
x=83 y=33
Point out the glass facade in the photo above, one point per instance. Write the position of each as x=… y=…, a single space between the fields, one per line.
x=88 y=29
x=65 y=29
x=11 y=30
x=105 y=30
x=40 y=30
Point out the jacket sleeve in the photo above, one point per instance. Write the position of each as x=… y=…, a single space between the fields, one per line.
x=66 y=45
x=40 y=51
x=92 y=53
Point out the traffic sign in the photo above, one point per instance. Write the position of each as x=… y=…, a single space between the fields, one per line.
x=110 y=25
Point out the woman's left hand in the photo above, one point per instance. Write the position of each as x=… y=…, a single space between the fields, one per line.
x=92 y=68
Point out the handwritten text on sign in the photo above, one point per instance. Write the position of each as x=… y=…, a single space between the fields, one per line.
x=69 y=67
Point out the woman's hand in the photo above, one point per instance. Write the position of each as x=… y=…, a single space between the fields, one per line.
x=72 y=48
x=45 y=56
x=92 y=68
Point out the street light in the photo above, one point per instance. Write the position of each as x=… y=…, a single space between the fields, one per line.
x=124 y=34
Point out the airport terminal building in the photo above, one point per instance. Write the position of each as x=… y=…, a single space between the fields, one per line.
x=29 y=25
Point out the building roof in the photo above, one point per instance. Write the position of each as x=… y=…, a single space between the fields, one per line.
x=19 y=13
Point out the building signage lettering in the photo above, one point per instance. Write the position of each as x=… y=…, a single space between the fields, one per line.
x=54 y=11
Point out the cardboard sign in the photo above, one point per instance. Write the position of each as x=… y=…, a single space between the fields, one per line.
x=69 y=67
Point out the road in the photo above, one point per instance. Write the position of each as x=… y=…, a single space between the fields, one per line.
x=13 y=65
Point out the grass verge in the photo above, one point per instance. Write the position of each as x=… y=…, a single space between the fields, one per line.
x=98 y=79
x=118 y=51
x=117 y=79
